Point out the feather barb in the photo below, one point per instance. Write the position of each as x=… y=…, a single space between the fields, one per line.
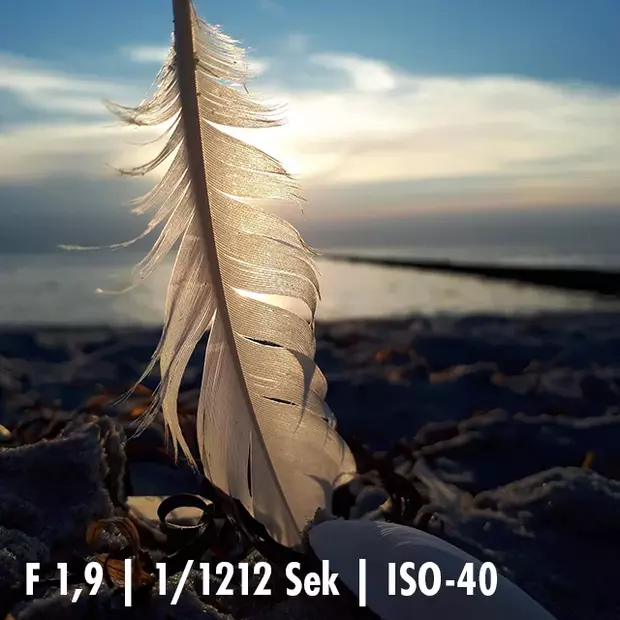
x=264 y=431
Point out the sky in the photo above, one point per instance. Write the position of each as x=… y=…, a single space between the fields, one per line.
x=396 y=108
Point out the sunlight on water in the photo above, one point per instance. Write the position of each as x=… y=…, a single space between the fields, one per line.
x=60 y=289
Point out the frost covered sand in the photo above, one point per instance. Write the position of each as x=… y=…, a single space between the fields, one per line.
x=519 y=418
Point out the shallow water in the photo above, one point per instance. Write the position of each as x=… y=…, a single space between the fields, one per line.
x=60 y=289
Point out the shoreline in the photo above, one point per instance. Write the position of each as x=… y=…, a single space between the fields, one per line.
x=358 y=322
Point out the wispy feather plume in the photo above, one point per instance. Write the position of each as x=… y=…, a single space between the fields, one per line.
x=265 y=433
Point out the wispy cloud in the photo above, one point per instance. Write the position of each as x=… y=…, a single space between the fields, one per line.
x=78 y=136
x=366 y=75
x=370 y=124
x=380 y=124
x=258 y=66
x=37 y=86
x=44 y=150
x=147 y=53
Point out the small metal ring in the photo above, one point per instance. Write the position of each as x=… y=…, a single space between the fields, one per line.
x=183 y=500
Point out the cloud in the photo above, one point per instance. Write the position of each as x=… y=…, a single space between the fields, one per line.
x=365 y=75
x=258 y=66
x=75 y=135
x=361 y=130
x=380 y=124
x=30 y=152
x=44 y=88
x=147 y=53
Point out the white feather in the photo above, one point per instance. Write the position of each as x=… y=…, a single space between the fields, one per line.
x=246 y=275
x=343 y=543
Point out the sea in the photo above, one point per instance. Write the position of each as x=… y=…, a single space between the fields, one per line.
x=60 y=288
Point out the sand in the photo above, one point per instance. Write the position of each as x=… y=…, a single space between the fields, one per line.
x=516 y=421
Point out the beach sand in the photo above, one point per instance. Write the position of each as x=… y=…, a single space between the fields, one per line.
x=516 y=421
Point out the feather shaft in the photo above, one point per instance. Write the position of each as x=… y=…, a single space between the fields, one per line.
x=265 y=434
x=186 y=63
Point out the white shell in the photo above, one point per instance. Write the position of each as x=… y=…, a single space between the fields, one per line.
x=343 y=543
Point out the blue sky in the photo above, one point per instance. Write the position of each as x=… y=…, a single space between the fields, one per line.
x=396 y=106
x=547 y=39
